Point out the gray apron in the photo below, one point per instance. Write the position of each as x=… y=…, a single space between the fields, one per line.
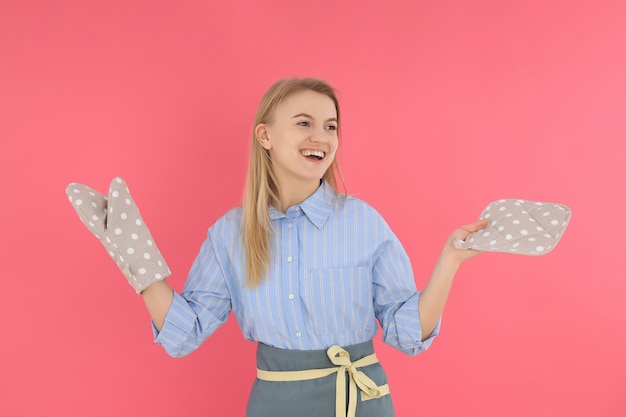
x=321 y=380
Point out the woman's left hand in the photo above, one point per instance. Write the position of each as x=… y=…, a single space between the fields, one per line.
x=462 y=255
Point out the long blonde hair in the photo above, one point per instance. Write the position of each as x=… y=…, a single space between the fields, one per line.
x=261 y=189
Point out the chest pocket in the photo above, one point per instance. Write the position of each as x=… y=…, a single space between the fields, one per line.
x=339 y=300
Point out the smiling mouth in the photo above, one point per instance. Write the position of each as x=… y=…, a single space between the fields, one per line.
x=319 y=155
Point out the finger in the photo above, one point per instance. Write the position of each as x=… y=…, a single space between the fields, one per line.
x=480 y=224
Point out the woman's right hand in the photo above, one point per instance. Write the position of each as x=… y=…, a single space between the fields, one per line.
x=116 y=222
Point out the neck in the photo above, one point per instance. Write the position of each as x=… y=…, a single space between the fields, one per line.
x=294 y=193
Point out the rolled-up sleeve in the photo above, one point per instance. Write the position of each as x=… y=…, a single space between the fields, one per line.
x=396 y=299
x=202 y=306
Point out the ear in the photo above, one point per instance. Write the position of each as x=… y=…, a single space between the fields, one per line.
x=260 y=132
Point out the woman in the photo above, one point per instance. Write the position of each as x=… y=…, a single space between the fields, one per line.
x=306 y=270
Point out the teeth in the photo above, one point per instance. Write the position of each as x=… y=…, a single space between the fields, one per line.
x=307 y=152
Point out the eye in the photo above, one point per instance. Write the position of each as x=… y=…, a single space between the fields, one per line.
x=303 y=123
x=331 y=127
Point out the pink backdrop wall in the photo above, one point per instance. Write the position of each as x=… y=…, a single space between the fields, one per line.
x=448 y=105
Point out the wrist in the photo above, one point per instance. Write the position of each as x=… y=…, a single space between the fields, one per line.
x=450 y=256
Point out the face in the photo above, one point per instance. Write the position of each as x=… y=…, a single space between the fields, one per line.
x=301 y=138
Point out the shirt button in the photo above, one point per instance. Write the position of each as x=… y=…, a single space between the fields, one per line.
x=290 y=225
x=298 y=334
x=291 y=296
x=289 y=259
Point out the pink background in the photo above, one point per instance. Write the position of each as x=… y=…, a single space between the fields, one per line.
x=448 y=105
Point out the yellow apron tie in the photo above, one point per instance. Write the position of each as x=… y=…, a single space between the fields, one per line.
x=358 y=379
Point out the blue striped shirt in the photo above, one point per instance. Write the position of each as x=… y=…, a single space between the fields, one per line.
x=336 y=267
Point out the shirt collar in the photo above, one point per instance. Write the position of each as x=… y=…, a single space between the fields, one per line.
x=317 y=207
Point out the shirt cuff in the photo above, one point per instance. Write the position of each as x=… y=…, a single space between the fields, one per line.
x=177 y=326
x=426 y=343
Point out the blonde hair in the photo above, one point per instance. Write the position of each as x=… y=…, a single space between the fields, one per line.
x=261 y=189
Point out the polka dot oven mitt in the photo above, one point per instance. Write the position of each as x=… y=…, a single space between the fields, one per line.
x=519 y=226
x=116 y=222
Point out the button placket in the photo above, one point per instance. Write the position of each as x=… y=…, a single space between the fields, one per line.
x=292 y=284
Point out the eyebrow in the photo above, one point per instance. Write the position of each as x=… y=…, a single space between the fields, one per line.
x=308 y=116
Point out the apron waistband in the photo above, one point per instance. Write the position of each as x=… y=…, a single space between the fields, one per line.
x=357 y=379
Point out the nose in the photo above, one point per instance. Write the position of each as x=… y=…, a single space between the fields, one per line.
x=320 y=135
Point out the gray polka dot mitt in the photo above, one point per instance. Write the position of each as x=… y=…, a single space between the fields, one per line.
x=519 y=226
x=116 y=222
